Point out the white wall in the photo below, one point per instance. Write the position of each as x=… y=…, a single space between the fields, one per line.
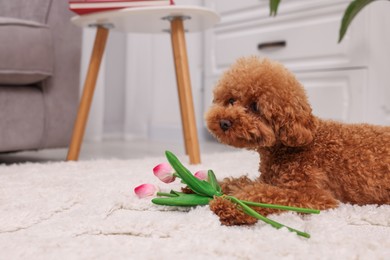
x=115 y=85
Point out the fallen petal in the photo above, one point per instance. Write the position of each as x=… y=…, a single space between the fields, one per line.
x=146 y=190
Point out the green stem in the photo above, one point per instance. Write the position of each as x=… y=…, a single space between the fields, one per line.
x=281 y=207
x=255 y=214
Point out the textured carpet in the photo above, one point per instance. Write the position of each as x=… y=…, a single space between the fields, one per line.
x=87 y=210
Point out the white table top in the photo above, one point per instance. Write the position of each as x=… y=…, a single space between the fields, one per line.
x=151 y=19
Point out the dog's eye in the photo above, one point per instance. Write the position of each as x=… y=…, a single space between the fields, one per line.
x=253 y=107
x=231 y=101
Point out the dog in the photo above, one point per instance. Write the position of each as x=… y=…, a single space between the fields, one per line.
x=305 y=161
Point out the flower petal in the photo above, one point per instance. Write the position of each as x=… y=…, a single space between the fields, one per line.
x=201 y=175
x=163 y=167
x=146 y=190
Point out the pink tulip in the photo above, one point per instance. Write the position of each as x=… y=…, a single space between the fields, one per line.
x=201 y=175
x=164 y=172
x=146 y=190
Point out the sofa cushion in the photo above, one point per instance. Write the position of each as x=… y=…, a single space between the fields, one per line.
x=31 y=10
x=22 y=116
x=26 y=52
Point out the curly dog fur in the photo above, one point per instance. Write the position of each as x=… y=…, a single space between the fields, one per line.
x=305 y=161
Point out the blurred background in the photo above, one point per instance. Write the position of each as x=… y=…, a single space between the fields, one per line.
x=136 y=95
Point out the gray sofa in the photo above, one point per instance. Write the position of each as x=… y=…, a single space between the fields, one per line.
x=39 y=74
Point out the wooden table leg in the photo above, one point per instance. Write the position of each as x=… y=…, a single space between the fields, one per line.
x=89 y=88
x=184 y=90
x=180 y=89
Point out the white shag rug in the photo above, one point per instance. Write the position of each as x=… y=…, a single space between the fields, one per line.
x=87 y=210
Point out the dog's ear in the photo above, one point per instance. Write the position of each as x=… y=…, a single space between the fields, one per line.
x=298 y=130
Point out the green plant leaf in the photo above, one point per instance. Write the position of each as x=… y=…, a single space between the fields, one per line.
x=213 y=181
x=182 y=200
x=273 y=7
x=171 y=194
x=352 y=10
x=200 y=187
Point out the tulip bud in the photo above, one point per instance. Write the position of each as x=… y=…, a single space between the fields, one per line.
x=201 y=175
x=164 y=172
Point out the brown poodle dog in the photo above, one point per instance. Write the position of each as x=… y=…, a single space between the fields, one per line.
x=305 y=161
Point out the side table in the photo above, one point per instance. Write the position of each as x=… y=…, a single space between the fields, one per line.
x=174 y=19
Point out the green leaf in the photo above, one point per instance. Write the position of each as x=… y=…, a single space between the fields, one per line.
x=213 y=181
x=171 y=194
x=273 y=7
x=352 y=10
x=200 y=187
x=182 y=200
x=255 y=214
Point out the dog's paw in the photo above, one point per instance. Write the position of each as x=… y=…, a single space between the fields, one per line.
x=229 y=214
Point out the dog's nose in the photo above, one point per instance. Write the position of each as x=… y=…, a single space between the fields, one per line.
x=225 y=124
